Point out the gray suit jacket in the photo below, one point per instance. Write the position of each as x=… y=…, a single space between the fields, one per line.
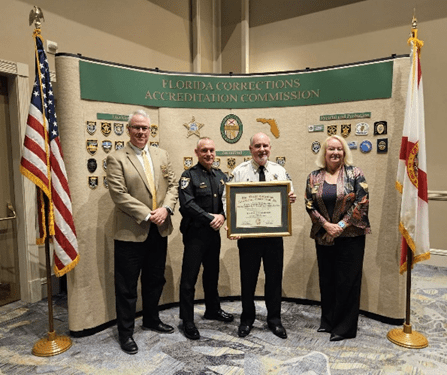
x=131 y=194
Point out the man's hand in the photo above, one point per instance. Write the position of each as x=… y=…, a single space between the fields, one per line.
x=292 y=197
x=159 y=215
x=232 y=237
x=217 y=221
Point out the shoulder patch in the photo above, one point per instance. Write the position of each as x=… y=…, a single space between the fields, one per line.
x=184 y=182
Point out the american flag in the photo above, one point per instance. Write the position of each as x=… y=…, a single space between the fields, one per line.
x=42 y=162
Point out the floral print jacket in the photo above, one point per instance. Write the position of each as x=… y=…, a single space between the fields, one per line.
x=351 y=204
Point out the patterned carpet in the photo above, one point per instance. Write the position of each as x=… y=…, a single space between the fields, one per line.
x=221 y=351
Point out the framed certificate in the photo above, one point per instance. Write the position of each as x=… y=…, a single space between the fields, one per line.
x=258 y=209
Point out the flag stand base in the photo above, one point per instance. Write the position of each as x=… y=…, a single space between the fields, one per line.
x=407 y=338
x=52 y=345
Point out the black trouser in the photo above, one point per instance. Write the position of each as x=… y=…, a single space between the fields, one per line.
x=131 y=258
x=202 y=246
x=251 y=251
x=340 y=274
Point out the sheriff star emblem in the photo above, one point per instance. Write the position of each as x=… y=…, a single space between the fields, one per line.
x=193 y=127
x=106 y=128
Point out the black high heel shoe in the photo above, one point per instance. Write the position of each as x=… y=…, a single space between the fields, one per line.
x=321 y=329
x=335 y=337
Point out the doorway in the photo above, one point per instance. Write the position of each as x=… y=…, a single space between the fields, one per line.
x=9 y=263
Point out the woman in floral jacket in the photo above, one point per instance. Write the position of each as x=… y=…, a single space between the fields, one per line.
x=337 y=201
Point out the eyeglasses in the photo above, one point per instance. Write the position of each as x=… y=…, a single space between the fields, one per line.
x=140 y=128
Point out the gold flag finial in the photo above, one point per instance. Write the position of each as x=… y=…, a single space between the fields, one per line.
x=414 y=21
x=36 y=15
x=414 y=33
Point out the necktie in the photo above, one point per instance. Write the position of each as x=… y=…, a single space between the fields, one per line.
x=150 y=179
x=261 y=173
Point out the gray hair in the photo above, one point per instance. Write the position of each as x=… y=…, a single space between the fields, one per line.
x=251 y=139
x=321 y=158
x=139 y=112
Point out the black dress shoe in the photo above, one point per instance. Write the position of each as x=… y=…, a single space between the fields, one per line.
x=160 y=328
x=190 y=330
x=335 y=337
x=219 y=315
x=129 y=346
x=321 y=329
x=278 y=330
x=243 y=330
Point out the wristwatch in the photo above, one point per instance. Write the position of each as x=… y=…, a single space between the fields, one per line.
x=341 y=224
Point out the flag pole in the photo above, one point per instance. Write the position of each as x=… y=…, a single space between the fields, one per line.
x=53 y=344
x=406 y=337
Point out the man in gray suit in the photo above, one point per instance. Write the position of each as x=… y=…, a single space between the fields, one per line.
x=144 y=189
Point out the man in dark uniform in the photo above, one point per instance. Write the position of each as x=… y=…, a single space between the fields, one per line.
x=200 y=192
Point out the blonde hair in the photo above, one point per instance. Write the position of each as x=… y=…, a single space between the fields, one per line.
x=321 y=158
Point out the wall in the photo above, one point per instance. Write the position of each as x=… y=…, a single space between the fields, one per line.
x=143 y=33
x=136 y=32
x=363 y=31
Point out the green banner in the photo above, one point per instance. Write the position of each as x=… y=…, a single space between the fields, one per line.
x=111 y=116
x=108 y=83
x=345 y=116
x=234 y=153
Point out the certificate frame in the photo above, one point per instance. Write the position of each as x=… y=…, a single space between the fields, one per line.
x=274 y=191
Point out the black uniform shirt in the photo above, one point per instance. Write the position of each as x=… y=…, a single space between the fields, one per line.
x=200 y=195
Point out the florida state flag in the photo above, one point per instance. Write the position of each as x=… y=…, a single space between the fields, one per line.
x=412 y=169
